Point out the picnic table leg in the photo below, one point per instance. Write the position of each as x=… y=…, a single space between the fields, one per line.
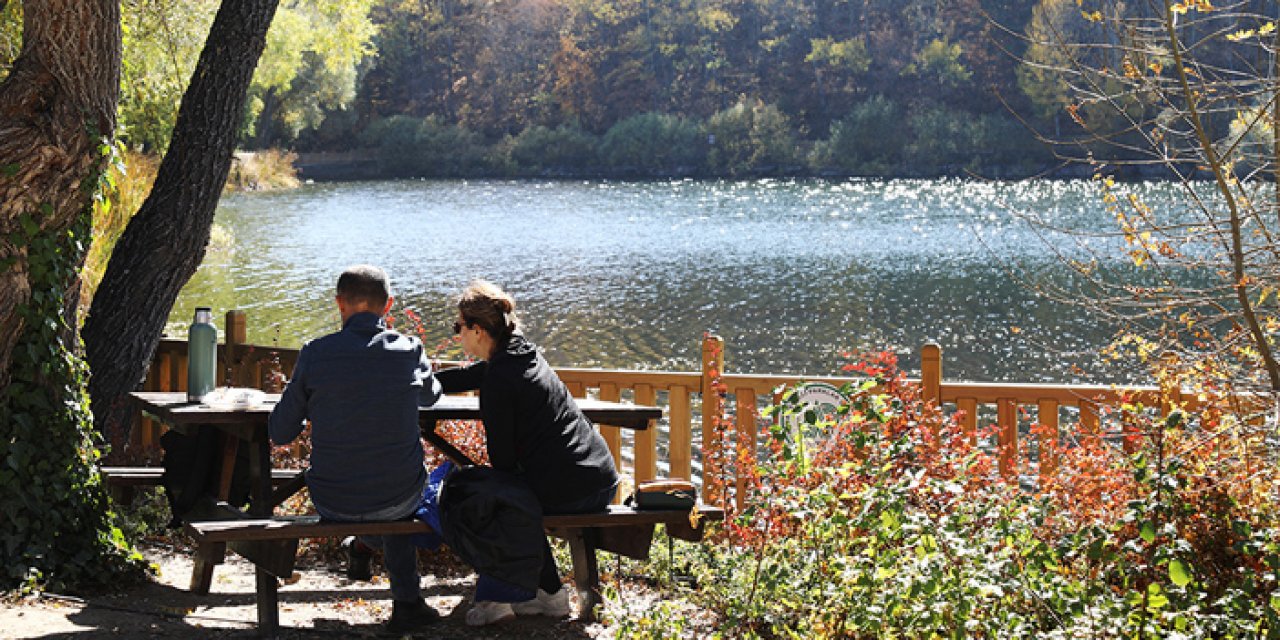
x=225 y=472
x=208 y=555
x=586 y=573
x=260 y=504
x=268 y=604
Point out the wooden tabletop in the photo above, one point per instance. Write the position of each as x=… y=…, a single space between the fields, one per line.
x=173 y=407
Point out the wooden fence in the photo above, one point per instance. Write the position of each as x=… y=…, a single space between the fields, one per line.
x=690 y=398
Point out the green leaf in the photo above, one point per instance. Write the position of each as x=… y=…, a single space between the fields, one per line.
x=1179 y=573
x=1156 y=598
x=1148 y=532
x=10 y=170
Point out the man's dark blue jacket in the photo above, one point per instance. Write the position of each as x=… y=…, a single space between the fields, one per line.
x=360 y=388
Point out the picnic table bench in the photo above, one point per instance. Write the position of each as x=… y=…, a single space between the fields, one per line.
x=123 y=480
x=272 y=543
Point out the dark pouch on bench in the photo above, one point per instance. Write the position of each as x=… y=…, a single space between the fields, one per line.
x=665 y=494
x=190 y=471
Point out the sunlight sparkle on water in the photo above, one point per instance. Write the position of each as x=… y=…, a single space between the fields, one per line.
x=629 y=274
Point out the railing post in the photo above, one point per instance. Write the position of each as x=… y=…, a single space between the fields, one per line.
x=931 y=373
x=746 y=440
x=237 y=336
x=712 y=368
x=931 y=382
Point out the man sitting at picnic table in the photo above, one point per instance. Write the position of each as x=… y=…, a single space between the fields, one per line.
x=360 y=388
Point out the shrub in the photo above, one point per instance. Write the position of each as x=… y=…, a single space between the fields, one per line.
x=447 y=149
x=406 y=146
x=870 y=140
x=394 y=141
x=654 y=143
x=563 y=149
x=750 y=137
x=263 y=171
x=893 y=523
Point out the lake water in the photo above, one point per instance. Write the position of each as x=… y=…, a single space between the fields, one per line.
x=792 y=273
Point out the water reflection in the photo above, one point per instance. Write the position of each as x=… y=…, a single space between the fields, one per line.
x=791 y=272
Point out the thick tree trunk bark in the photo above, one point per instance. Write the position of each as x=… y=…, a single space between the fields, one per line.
x=57 y=107
x=165 y=242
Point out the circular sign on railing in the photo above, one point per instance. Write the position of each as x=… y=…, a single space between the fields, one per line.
x=809 y=413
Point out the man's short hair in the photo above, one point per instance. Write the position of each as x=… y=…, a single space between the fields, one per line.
x=364 y=283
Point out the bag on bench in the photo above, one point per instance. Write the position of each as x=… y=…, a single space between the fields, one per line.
x=664 y=494
x=191 y=472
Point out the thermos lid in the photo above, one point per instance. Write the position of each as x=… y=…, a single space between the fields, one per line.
x=209 y=309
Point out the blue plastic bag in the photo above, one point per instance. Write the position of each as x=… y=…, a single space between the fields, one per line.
x=429 y=509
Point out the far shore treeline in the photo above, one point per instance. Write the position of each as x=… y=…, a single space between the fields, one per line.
x=630 y=88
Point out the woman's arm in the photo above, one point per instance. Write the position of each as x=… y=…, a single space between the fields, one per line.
x=466 y=378
x=498 y=406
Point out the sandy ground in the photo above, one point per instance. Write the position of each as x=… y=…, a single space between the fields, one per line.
x=322 y=603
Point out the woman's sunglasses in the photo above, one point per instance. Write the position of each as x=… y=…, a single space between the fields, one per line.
x=457 y=327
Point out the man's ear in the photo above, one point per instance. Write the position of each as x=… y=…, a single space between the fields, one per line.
x=387 y=308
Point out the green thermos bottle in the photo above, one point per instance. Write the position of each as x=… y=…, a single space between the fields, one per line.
x=202 y=355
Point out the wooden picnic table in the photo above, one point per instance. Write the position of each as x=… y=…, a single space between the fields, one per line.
x=248 y=426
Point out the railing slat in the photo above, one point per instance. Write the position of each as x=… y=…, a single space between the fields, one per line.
x=1047 y=415
x=612 y=435
x=1007 y=437
x=969 y=421
x=646 y=442
x=747 y=435
x=680 y=449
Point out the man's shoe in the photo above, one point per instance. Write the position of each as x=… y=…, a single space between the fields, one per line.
x=555 y=605
x=408 y=616
x=359 y=556
x=483 y=613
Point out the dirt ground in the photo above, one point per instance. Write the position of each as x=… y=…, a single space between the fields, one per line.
x=322 y=603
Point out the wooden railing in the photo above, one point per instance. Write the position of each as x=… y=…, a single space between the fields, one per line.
x=691 y=398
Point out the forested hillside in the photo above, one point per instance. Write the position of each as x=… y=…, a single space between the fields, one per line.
x=643 y=87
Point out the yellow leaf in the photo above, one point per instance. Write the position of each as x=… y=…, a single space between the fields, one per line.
x=1243 y=34
x=1155 y=68
x=1267 y=28
x=1096 y=16
x=1130 y=71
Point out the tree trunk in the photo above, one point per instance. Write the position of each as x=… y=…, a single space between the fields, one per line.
x=57 y=116
x=165 y=241
x=57 y=107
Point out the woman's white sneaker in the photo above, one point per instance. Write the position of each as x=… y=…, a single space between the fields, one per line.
x=555 y=605
x=483 y=613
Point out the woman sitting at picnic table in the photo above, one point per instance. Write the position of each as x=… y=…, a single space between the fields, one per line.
x=534 y=430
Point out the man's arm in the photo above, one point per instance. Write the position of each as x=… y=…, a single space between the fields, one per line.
x=286 y=418
x=431 y=388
